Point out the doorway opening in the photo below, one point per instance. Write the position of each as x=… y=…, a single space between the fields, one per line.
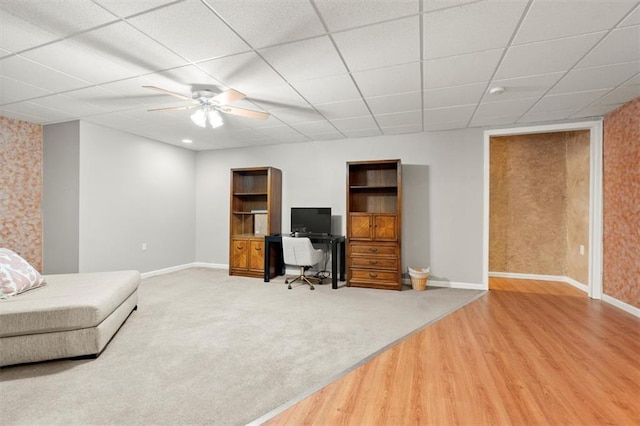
x=556 y=219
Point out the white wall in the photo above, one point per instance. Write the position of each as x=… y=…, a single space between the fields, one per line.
x=60 y=197
x=134 y=190
x=442 y=193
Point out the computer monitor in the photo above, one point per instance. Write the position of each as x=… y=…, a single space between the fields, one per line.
x=311 y=220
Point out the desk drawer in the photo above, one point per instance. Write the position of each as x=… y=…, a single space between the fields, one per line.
x=377 y=249
x=373 y=276
x=373 y=262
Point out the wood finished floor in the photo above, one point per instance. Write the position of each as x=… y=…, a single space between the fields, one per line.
x=527 y=352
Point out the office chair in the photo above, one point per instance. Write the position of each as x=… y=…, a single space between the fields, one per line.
x=300 y=252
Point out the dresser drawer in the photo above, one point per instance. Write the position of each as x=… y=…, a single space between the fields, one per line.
x=374 y=262
x=373 y=276
x=373 y=249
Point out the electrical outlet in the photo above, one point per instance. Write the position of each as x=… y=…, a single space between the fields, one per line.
x=582 y=249
x=144 y=246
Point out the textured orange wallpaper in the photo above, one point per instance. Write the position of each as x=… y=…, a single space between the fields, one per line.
x=539 y=204
x=21 y=189
x=621 y=181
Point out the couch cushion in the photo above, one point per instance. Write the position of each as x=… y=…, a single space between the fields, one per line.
x=16 y=274
x=67 y=302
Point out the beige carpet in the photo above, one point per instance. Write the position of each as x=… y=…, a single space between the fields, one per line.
x=206 y=348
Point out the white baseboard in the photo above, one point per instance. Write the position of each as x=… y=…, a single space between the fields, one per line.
x=210 y=265
x=448 y=284
x=621 y=305
x=166 y=270
x=539 y=277
x=605 y=298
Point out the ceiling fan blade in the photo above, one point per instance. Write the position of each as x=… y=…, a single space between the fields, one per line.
x=173 y=108
x=228 y=97
x=244 y=112
x=168 y=92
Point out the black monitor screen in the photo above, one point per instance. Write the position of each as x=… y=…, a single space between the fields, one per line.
x=311 y=220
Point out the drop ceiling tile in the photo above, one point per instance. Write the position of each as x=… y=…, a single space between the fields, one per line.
x=293 y=116
x=596 y=111
x=620 y=95
x=389 y=81
x=452 y=96
x=306 y=59
x=568 y=101
x=331 y=136
x=29 y=72
x=13 y=91
x=4 y=53
x=355 y=123
x=487 y=25
x=131 y=90
x=294 y=138
x=185 y=80
x=444 y=115
x=314 y=127
x=280 y=132
x=340 y=15
x=432 y=5
x=362 y=133
x=47 y=115
x=493 y=121
x=545 y=57
x=244 y=72
x=86 y=65
x=530 y=86
x=104 y=98
x=622 y=45
x=460 y=70
x=70 y=106
x=59 y=17
x=504 y=108
x=286 y=20
x=584 y=79
x=548 y=20
x=633 y=80
x=440 y=126
x=127 y=8
x=323 y=90
x=409 y=118
x=275 y=97
x=128 y=47
x=402 y=130
x=632 y=19
x=380 y=45
x=346 y=109
x=115 y=120
x=21 y=116
x=170 y=26
x=18 y=34
x=395 y=103
x=546 y=116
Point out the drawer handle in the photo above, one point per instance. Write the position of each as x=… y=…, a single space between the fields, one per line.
x=258 y=248
x=373 y=275
x=240 y=247
x=373 y=262
x=373 y=249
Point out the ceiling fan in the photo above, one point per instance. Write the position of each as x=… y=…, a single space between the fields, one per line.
x=208 y=103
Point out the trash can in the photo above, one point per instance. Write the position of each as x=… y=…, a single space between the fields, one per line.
x=419 y=277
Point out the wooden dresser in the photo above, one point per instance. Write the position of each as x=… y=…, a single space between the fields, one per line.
x=374 y=212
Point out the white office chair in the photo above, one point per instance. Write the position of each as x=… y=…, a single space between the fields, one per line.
x=300 y=252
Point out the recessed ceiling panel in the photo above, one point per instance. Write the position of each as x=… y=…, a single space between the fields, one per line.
x=487 y=25
x=380 y=45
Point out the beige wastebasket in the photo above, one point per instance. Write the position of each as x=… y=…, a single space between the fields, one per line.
x=419 y=277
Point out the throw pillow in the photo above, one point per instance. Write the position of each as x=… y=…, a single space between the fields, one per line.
x=16 y=275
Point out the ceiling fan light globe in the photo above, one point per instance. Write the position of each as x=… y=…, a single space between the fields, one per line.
x=199 y=118
x=215 y=120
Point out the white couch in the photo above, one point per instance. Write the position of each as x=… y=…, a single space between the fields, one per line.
x=72 y=315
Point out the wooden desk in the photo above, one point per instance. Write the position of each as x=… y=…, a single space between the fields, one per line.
x=273 y=247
